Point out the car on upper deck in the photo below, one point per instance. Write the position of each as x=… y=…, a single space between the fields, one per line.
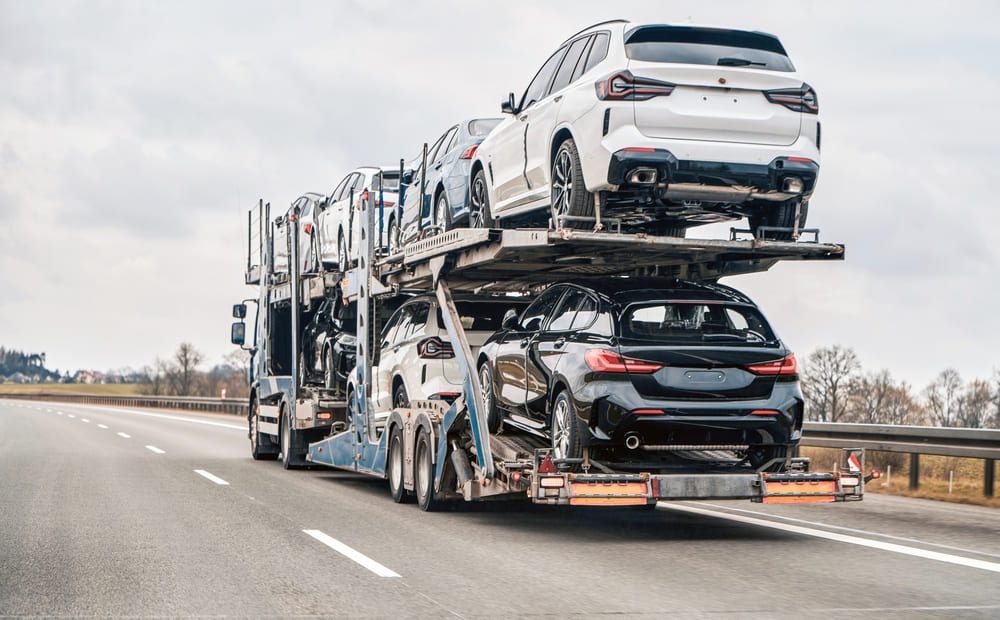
x=337 y=226
x=670 y=126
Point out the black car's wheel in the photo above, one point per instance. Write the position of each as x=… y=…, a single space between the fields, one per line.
x=569 y=196
x=329 y=371
x=480 y=215
x=342 y=260
x=394 y=467
x=423 y=472
x=780 y=215
x=393 y=231
x=261 y=447
x=442 y=212
x=400 y=400
x=489 y=403
x=290 y=442
x=565 y=428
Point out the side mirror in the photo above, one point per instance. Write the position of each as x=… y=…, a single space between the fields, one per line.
x=407 y=177
x=508 y=106
x=509 y=319
x=238 y=333
x=239 y=311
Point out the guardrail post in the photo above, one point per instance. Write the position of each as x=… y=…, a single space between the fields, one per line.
x=988 y=477
x=914 y=471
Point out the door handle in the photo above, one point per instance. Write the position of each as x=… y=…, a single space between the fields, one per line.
x=438 y=165
x=559 y=343
x=523 y=117
x=557 y=98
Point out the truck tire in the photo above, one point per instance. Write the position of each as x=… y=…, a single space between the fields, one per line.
x=568 y=194
x=423 y=472
x=262 y=447
x=394 y=467
x=292 y=452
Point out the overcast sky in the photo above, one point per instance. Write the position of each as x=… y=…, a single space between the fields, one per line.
x=135 y=135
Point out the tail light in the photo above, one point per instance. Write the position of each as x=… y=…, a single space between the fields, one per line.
x=470 y=152
x=787 y=366
x=799 y=99
x=435 y=348
x=603 y=360
x=308 y=228
x=623 y=86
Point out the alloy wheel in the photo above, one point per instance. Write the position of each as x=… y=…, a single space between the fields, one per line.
x=477 y=215
x=486 y=387
x=560 y=429
x=442 y=212
x=562 y=183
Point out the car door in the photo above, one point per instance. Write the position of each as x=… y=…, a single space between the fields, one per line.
x=382 y=374
x=546 y=348
x=509 y=364
x=330 y=221
x=542 y=118
x=443 y=155
x=507 y=163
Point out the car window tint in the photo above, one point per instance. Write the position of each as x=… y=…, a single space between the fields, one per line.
x=562 y=319
x=481 y=316
x=565 y=72
x=452 y=136
x=599 y=50
x=358 y=182
x=534 y=317
x=481 y=127
x=390 y=327
x=539 y=86
x=335 y=194
x=405 y=314
x=582 y=63
x=707 y=46
x=696 y=322
x=433 y=149
x=306 y=207
x=585 y=314
x=418 y=319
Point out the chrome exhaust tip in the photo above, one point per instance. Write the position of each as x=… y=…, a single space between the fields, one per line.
x=642 y=176
x=632 y=441
x=793 y=185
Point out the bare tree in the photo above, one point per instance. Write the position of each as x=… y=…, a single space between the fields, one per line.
x=828 y=373
x=183 y=372
x=996 y=399
x=900 y=407
x=975 y=404
x=944 y=396
x=869 y=392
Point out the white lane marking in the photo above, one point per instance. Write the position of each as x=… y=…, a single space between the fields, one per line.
x=70 y=415
x=239 y=427
x=155 y=450
x=59 y=412
x=125 y=435
x=352 y=554
x=855 y=530
x=212 y=477
x=85 y=420
x=102 y=426
x=844 y=538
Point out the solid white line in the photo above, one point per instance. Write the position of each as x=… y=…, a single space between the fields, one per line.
x=71 y=415
x=155 y=450
x=125 y=435
x=85 y=420
x=855 y=530
x=352 y=554
x=102 y=426
x=212 y=477
x=240 y=427
x=854 y=540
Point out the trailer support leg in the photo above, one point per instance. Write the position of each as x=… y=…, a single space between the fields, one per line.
x=914 y=471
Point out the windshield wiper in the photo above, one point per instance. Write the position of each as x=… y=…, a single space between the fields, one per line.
x=729 y=61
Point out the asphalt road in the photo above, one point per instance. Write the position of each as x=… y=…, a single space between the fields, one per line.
x=112 y=512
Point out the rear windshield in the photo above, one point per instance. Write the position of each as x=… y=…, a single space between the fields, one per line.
x=696 y=323
x=482 y=316
x=481 y=127
x=707 y=46
x=390 y=180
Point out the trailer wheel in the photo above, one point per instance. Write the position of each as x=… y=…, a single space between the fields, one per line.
x=480 y=215
x=423 y=473
x=489 y=403
x=394 y=467
x=261 y=447
x=568 y=194
x=291 y=442
x=565 y=428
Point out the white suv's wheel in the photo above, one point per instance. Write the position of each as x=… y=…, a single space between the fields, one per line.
x=569 y=195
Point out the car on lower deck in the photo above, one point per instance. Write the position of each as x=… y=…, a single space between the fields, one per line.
x=329 y=344
x=672 y=125
x=647 y=375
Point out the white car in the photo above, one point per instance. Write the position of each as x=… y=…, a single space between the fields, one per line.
x=417 y=361
x=308 y=205
x=672 y=126
x=337 y=223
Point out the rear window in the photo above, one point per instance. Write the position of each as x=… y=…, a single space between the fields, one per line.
x=707 y=46
x=481 y=316
x=481 y=127
x=696 y=323
x=390 y=180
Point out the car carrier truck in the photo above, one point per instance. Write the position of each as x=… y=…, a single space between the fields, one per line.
x=439 y=451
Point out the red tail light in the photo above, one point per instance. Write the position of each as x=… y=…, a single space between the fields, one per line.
x=603 y=360
x=648 y=412
x=308 y=228
x=799 y=99
x=470 y=152
x=765 y=412
x=785 y=366
x=435 y=349
x=623 y=86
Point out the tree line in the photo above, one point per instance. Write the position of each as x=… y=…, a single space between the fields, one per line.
x=838 y=388
x=181 y=375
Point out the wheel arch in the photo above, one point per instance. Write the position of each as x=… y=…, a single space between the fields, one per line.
x=561 y=135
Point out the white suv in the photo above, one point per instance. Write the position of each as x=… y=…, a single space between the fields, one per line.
x=673 y=126
x=416 y=359
x=337 y=220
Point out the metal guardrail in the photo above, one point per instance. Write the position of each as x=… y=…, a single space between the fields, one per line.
x=979 y=443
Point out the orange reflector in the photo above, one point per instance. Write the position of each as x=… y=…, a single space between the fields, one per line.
x=609 y=494
x=608 y=501
x=764 y=412
x=805 y=492
x=324 y=415
x=552 y=482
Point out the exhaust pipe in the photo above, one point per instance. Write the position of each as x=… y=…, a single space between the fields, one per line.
x=642 y=176
x=632 y=441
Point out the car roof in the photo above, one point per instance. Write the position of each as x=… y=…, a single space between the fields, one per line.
x=631 y=290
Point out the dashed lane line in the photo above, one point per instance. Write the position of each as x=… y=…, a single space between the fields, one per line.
x=352 y=554
x=104 y=426
x=212 y=477
x=155 y=450
x=125 y=435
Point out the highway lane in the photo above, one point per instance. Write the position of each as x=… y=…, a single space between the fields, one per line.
x=92 y=523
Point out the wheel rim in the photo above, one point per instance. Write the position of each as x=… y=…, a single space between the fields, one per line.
x=328 y=370
x=562 y=184
x=442 y=212
x=393 y=236
x=395 y=465
x=400 y=401
x=560 y=429
x=477 y=215
x=342 y=254
x=422 y=470
x=486 y=387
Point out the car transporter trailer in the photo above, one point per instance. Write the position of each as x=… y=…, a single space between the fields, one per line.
x=442 y=451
